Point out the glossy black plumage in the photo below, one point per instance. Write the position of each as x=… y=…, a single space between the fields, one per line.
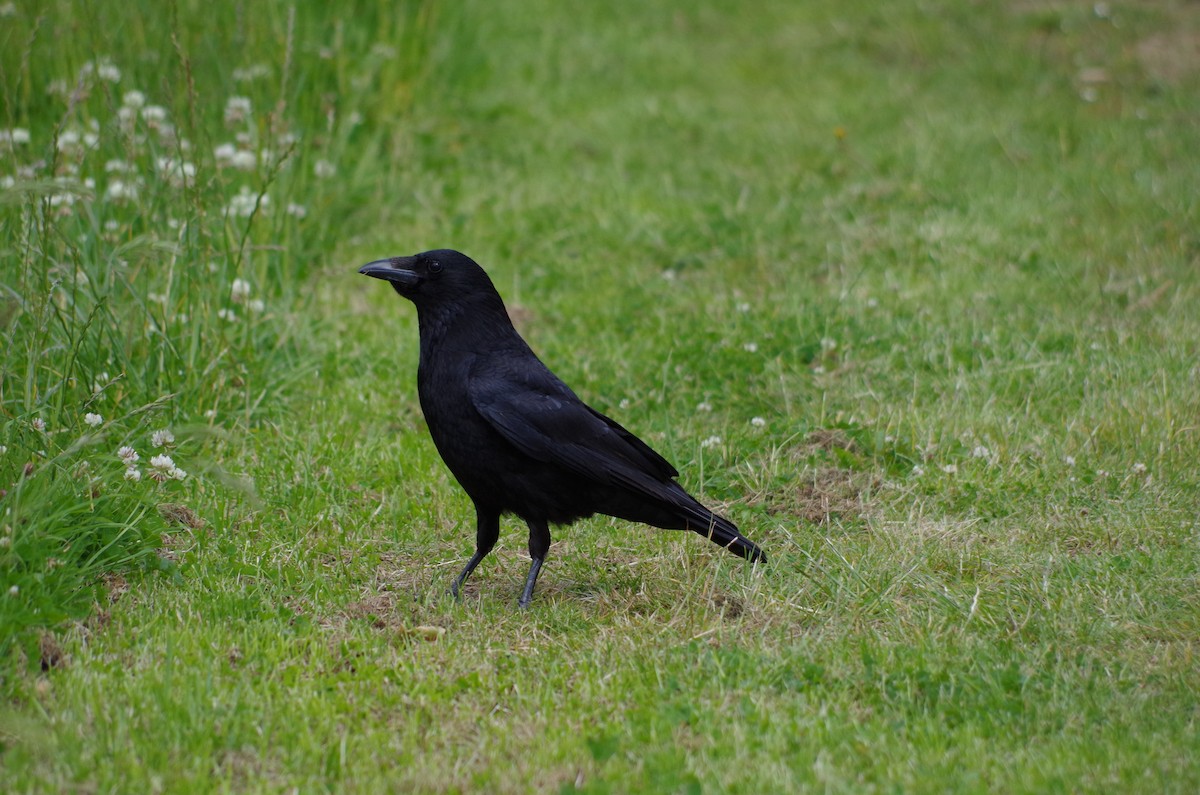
x=516 y=437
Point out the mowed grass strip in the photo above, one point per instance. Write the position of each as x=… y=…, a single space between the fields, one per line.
x=907 y=291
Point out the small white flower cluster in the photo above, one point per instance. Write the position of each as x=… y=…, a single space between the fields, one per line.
x=711 y=441
x=177 y=172
x=323 y=169
x=245 y=201
x=103 y=69
x=237 y=110
x=129 y=458
x=73 y=142
x=245 y=154
x=229 y=156
x=239 y=293
x=162 y=466
x=10 y=139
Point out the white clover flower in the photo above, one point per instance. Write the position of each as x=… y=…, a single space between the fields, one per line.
x=133 y=473
x=981 y=452
x=296 y=210
x=154 y=114
x=750 y=347
x=3 y=449
x=177 y=172
x=14 y=137
x=323 y=169
x=243 y=160
x=38 y=424
x=239 y=291
x=704 y=406
x=828 y=343
x=120 y=190
x=13 y=591
x=256 y=305
x=1139 y=468
x=918 y=471
x=711 y=441
x=237 y=109
x=1102 y=473
x=8 y=10
x=93 y=419
x=224 y=154
x=68 y=140
x=163 y=469
x=162 y=438
x=62 y=201
x=228 y=315
x=251 y=73
x=162 y=460
x=133 y=99
x=245 y=201
x=108 y=72
x=128 y=455
x=743 y=307
x=757 y=422
x=1070 y=460
x=950 y=469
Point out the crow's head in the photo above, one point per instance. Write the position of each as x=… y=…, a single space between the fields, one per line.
x=434 y=278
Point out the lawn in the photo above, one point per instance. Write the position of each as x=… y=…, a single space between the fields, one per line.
x=908 y=290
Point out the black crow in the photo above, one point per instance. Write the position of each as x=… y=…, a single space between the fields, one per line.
x=517 y=438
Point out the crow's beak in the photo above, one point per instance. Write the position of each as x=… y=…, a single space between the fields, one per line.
x=392 y=270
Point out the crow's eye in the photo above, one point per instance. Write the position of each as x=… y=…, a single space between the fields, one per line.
x=435 y=267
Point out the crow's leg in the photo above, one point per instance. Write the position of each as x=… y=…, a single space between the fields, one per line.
x=539 y=545
x=487 y=530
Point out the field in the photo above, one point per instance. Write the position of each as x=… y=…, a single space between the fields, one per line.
x=907 y=290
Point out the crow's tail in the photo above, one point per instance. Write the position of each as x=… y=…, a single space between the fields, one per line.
x=721 y=531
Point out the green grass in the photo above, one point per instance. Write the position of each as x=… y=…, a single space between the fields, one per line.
x=927 y=272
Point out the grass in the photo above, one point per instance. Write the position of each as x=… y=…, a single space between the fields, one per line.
x=908 y=290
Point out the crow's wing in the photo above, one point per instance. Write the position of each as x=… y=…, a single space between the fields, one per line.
x=540 y=416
